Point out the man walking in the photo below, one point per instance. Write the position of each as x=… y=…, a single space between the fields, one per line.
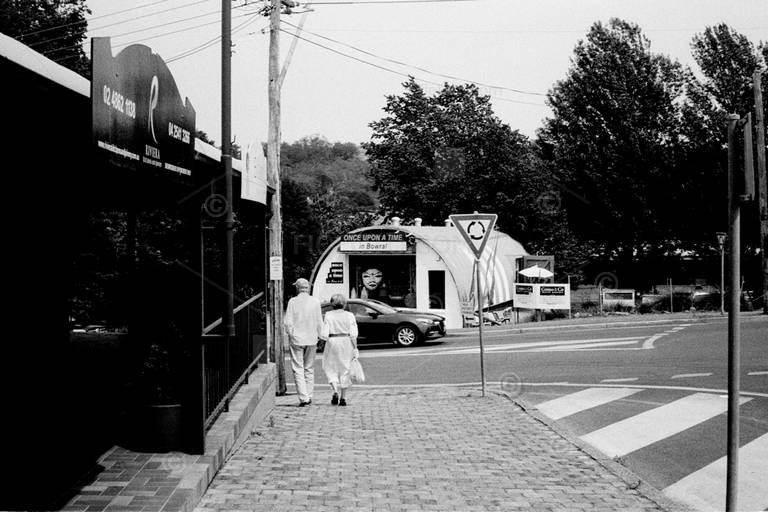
x=303 y=324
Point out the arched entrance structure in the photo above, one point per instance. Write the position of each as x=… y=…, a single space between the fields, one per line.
x=428 y=268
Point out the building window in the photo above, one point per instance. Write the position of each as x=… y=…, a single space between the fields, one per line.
x=436 y=289
x=389 y=279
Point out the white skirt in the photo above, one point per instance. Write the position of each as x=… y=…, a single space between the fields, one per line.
x=337 y=355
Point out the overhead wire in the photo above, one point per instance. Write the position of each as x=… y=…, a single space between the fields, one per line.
x=63 y=25
x=213 y=41
x=383 y=68
x=164 y=34
x=424 y=70
x=372 y=2
x=37 y=43
x=50 y=52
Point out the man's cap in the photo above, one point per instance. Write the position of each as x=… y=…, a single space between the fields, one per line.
x=301 y=283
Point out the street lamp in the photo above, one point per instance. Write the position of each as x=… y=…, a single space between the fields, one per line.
x=721 y=242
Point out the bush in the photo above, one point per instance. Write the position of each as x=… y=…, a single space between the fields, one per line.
x=619 y=308
x=588 y=307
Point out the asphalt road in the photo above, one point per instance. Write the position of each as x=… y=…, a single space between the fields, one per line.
x=650 y=396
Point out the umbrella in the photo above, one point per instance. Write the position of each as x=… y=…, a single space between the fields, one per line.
x=536 y=271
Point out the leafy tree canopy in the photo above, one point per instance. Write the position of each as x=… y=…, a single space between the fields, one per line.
x=728 y=60
x=432 y=156
x=448 y=153
x=325 y=192
x=55 y=28
x=611 y=139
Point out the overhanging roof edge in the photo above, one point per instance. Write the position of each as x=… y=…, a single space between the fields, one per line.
x=24 y=56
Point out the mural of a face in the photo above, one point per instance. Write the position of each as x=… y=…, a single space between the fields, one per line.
x=372 y=278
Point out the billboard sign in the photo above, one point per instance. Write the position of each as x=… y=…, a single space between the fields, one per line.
x=139 y=120
x=542 y=296
x=554 y=296
x=375 y=241
x=524 y=296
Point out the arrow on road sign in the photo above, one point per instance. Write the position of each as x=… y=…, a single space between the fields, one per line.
x=475 y=228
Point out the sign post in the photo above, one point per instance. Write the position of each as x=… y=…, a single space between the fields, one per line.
x=475 y=229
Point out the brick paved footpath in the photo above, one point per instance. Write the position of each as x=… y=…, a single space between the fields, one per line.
x=416 y=449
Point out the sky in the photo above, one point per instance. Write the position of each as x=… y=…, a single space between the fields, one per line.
x=354 y=53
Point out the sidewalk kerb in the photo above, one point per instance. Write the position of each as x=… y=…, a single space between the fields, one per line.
x=603 y=324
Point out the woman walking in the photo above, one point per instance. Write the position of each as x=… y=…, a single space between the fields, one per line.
x=340 y=331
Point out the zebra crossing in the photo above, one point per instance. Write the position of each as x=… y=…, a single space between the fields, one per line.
x=648 y=429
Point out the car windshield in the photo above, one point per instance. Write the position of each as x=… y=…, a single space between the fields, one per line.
x=383 y=307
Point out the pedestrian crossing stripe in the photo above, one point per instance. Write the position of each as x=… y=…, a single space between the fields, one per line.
x=631 y=434
x=583 y=400
x=704 y=488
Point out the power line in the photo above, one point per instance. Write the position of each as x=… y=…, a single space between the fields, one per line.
x=50 y=52
x=38 y=43
x=143 y=39
x=504 y=31
x=417 y=67
x=383 y=68
x=22 y=36
x=211 y=42
x=371 y=2
x=215 y=22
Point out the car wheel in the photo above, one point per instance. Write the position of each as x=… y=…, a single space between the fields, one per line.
x=406 y=335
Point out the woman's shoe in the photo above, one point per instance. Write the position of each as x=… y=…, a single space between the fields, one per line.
x=342 y=402
x=335 y=399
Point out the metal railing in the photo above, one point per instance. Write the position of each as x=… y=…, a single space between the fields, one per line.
x=227 y=362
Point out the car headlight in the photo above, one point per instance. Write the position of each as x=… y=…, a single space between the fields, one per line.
x=423 y=321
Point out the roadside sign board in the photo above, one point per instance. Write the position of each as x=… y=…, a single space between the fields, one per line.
x=524 y=296
x=554 y=296
x=542 y=296
x=275 y=268
x=475 y=229
x=139 y=119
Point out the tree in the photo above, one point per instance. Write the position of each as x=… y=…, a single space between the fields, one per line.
x=611 y=141
x=55 y=28
x=326 y=192
x=728 y=60
x=432 y=156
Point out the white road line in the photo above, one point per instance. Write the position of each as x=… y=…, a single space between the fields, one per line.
x=627 y=379
x=507 y=347
x=492 y=348
x=642 y=386
x=651 y=426
x=591 y=345
x=690 y=375
x=705 y=488
x=650 y=341
x=757 y=373
x=582 y=400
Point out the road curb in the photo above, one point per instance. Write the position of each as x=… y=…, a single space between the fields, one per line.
x=630 y=478
x=751 y=315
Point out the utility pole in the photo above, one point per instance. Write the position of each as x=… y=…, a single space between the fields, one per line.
x=275 y=289
x=762 y=183
x=734 y=328
x=226 y=163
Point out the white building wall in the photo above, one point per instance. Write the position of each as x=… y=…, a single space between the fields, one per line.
x=323 y=290
x=427 y=259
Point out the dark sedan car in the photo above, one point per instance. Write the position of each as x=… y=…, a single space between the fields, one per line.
x=378 y=322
